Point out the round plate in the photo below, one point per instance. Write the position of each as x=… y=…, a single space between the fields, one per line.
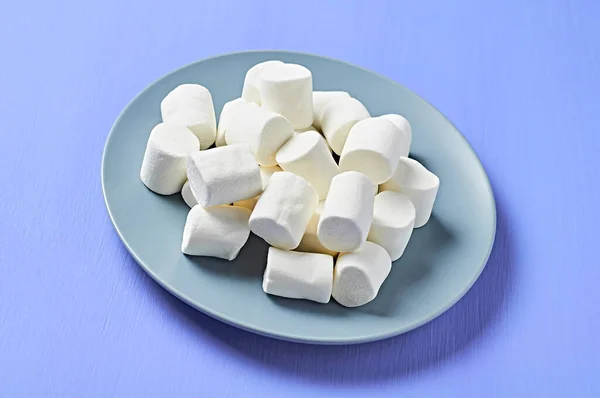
x=441 y=262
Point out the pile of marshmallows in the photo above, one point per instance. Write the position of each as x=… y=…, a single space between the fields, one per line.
x=273 y=173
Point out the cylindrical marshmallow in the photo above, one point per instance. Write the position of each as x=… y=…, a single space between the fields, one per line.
x=419 y=184
x=187 y=195
x=358 y=276
x=307 y=155
x=373 y=147
x=251 y=89
x=311 y=128
x=265 y=175
x=223 y=175
x=219 y=231
x=296 y=275
x=191 y=106
x=163 y=167
x=320 y=100
x=310 y=241
x=347 y=214
x=286 y=89
x=230 y=109
x=393 y=222
x=283 y=211
x=404 y=127
x=339 y=116
x=264 y=131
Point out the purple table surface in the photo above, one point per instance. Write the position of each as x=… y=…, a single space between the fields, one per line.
x=520 y=79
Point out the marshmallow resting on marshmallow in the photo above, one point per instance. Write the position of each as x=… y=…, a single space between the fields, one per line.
x=393 y=222
x=251 y=89
x=284 y=209
x=320 y=100
x=223 y=175
x=218 y=231
x=373 y=147
x=339 y=116
x=230 y=109
x=265 y=174
x=307 y=155
x=347 y=214
x=419 y=184
x=358 y=276
x=404 y=127
x=310 y=241
x=164 y=166
x=191 y=105
x=187 y=195
x=296 y=275
x=287 y=89
x=264 y=131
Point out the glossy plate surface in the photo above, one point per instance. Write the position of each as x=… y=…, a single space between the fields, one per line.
x=441 y=262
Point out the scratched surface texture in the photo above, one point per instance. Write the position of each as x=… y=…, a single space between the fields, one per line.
x=520 y=79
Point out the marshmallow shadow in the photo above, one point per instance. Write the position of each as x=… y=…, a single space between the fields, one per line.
x=420 y=351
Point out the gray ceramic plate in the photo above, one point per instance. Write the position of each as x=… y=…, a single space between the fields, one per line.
x=442 y=261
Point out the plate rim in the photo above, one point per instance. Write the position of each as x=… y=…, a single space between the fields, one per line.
x=256 y=329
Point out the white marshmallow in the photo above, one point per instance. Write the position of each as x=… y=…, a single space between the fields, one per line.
x=283 y=211
x=347 y=214
x=320 y=101
x=373 y=148
x=339 y=116
x=419 y=184
x=310 y=241
x=263 y=130
x=219 y=231
x=163 y=167
x=223 y=175
x=404 y=127
x=191 y=105
x=251 y=89
x=230 y=109
x=307 y=155
x=311 y=128
x=265 y=174
x=187 y=195
x=358 y=276
x=393 y=221
x=296 y=275
x=287 y=89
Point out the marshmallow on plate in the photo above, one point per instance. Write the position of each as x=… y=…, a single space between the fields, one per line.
x=219 y=231
x=307 y=155
x=320 y=101
x=251 y=89
x=163 y=167
x=230 y=109
x=358 y=276
x=339 y=116
x=347 y=214
x=191 y=105
x=373 y=147
x=223 y=175
x=286 y=89
x=187 y=195
x=263 y=130
x=310 y=241
x=296 y=275
x=265 y=174
x=419 y=184
x=283 y=211
x=404 y=127
x=393 y=221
